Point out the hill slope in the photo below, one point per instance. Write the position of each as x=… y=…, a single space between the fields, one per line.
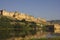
x=18 y=28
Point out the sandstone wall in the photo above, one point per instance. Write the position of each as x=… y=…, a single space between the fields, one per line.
x=21 y=16
x=57 y=28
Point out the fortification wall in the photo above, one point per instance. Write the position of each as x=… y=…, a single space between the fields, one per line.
x=57 y=28
x=11 y=14
x=21 y=16
x=5 y=13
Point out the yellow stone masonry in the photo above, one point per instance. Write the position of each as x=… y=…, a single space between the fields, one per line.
x=57 y=28
x=21 y=16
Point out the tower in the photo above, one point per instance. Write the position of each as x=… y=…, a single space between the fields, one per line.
x=1 y=12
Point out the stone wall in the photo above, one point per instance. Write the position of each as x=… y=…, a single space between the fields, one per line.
x=57 y=28
x=21 y=16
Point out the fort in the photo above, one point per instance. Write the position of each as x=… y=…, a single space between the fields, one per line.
x=53 y=28
x=21 y=16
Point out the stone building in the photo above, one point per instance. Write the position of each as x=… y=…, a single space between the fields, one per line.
x=21 y=16
x=57 y=28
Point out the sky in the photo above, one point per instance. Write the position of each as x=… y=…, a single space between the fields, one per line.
x=47 y=9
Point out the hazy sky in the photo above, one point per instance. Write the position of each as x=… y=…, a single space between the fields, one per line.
x=48 y=9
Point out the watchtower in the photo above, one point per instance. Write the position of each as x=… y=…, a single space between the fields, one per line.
x=1 y=12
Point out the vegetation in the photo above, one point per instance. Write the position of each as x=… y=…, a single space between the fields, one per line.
x=16 y=28
x=20 y=28
x=54 y=38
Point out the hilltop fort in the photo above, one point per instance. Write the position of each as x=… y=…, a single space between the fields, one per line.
x=20 y=16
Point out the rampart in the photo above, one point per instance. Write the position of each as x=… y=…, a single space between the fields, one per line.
x=21 y=16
